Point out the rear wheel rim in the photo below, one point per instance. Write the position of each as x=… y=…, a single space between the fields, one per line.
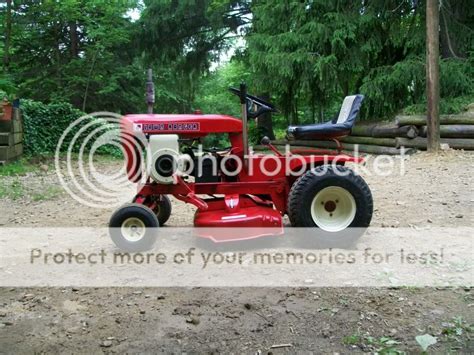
x=133 y=229
x=333 y=209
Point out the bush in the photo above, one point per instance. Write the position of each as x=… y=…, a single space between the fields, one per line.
x=44 y=125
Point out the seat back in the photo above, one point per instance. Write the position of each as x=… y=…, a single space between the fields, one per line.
x=349 y=110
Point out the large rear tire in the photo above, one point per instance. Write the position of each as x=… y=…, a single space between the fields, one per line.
x=332 y=198
x=133 y=227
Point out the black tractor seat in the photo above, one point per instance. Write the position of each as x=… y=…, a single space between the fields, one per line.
x=339 y=127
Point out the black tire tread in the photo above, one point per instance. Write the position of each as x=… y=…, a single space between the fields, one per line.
x=165 y=210
x=298 y=193
x=115 y=222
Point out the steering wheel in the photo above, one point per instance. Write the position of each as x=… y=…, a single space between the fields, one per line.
x=255 y=105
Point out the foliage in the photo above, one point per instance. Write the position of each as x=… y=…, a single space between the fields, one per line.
x=76 y=51
x=185 y=37
x=405 y=83
x=448 y=105
x=455 y=329
x=382 y=345
x=7 y=88
x=328 y=49
x=45 y=123
x=307 y=55
x=213 y=95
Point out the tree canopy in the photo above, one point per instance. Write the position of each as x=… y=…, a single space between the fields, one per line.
x=307 y=55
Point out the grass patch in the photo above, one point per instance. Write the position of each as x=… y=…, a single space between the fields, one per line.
x=17 y=168
x=353 y=339
x=13 y=190
x=50 y=193
x=32 y=164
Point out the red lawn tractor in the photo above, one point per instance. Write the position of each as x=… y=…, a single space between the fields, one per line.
x=231 y=187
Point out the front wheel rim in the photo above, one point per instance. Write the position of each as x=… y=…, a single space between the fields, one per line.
x=133 y=229
x=333 y=209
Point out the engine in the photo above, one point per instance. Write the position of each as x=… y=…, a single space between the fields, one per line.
x=165 y=158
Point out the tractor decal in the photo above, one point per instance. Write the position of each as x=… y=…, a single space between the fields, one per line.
x=163 y=127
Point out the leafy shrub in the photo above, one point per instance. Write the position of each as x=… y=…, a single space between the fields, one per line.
x=44 y=125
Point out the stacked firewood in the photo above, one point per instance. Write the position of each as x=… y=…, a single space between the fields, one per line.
x=407 y=133
x=11 y=133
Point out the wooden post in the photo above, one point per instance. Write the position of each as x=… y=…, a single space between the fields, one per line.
x=150 y=91
x=432 y=73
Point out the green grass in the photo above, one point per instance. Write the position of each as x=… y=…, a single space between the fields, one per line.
x=353 y=339
x=50 y=193
x=18 y=168
x=14 y=190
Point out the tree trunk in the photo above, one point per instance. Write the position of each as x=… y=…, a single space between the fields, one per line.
x=8 y=35
x=452 y=131
x=392 y=131
x=74 y=39
x=385 y=131
x=264 y=122
x=390 y=142
x=422 y=143
x=371 y=149
x=363 y=130
x=420 y=120
x=432 y=73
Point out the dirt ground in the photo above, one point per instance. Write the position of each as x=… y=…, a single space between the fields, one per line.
x=436 y=190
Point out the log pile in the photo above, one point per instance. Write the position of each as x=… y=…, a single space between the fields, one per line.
x=407 y=133
x=11 y=133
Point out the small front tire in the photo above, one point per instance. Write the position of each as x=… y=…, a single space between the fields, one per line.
x=163 y=209
x=133 y=227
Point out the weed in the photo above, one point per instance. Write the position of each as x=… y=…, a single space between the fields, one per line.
x=343 y=302
x=382 y=345
x=353 y=339
x=454 y=330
